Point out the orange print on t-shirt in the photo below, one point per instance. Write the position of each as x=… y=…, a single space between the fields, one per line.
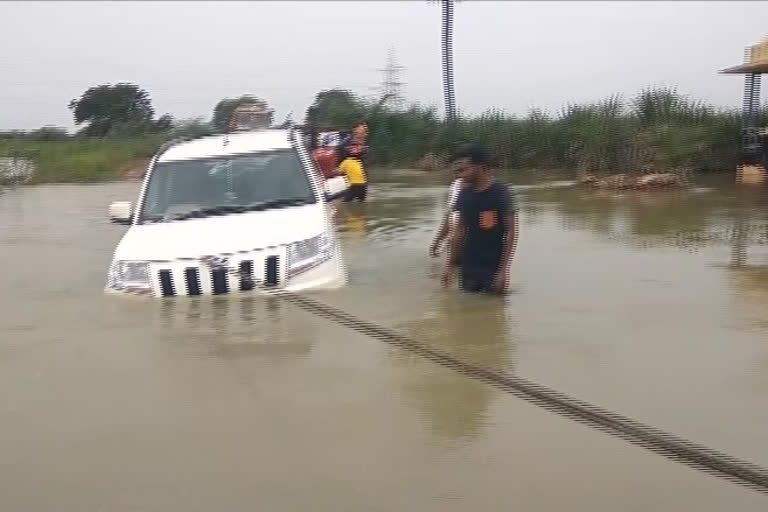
x=488 y=219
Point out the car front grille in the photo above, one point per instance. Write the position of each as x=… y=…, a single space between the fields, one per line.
x=183 y=278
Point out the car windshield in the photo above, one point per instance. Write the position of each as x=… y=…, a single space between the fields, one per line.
x=217 y=186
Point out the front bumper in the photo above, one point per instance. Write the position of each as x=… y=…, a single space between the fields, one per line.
x=251 y=272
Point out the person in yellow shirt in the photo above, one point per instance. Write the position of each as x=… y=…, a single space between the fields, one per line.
x=358 y=181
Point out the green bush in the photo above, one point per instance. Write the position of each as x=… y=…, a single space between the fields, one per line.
x=659 y=129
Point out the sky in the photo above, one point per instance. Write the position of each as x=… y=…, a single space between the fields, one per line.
x=511 y=56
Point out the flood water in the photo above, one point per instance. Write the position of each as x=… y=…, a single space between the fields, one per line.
x=650 y=305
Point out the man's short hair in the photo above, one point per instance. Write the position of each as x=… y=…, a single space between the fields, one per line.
x=476 y=154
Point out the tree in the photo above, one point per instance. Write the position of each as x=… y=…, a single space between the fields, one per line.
x=106 y=107
x=195 y=127
x=49 y=133
x=222 y=112
x=335 y=107
x=163 y=124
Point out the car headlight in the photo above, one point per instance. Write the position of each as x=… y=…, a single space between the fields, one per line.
x=309 y=253
x=129 y=275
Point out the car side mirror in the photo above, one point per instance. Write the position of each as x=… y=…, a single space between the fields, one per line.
x=120 y=212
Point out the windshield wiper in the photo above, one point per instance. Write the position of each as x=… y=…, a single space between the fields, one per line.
x=208 y=212
x=278 y=203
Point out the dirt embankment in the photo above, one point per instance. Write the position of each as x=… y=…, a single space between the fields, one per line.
x=134 y=170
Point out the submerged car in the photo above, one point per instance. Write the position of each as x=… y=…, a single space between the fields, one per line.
x=229 y=213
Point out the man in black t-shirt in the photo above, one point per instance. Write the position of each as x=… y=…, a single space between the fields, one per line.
x=487 y=226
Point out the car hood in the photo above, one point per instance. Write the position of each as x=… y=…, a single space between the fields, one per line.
x=193 y=238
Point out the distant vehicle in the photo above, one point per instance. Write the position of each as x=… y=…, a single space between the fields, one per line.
x=237 y=212
x=251 y=116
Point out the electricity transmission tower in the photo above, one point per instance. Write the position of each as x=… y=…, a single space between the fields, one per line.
x=391 y=85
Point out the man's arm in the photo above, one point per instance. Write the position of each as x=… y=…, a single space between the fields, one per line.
x=454 y=250
x=442 y=232
x=510 y=240
x=508 y=213
x=457 y=243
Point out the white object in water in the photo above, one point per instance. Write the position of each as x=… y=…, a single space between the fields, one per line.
x=120 y=212
x=335 y=186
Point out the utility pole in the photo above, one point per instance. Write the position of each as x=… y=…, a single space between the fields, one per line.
x=448 y=90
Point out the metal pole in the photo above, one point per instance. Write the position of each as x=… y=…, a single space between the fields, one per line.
x=750 y=114
x=448 y=85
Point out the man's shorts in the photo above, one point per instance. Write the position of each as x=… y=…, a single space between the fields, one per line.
x=478 y=279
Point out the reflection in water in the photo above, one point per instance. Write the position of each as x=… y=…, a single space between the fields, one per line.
x=352 y=218
x=394 y=215
x=749 y=302
x=739 y=245
x=749 y=295
x=473 y=328
x=720 y=215
x=235 y=326
x=744 y=220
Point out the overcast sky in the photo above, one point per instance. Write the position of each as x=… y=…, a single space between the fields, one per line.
x=509 y=55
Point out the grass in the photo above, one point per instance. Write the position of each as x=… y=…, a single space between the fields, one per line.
x=80 y=160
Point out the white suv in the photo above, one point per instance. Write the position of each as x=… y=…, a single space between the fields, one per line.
x=229 y=213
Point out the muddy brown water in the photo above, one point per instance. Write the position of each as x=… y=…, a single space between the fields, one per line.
x=651 y=305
